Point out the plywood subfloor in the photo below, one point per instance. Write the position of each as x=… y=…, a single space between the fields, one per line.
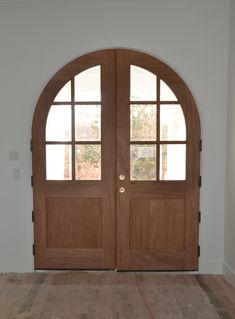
x=114 y=295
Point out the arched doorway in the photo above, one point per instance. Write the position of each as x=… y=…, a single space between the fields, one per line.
x=116 y=137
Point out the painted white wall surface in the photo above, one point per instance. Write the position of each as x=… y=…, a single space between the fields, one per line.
x=38 y=38
x=229 y=247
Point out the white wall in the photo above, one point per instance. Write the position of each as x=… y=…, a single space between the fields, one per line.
x=229 y=247
x=37 y=39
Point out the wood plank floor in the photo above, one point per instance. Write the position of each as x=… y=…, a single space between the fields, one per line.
x=115 y=295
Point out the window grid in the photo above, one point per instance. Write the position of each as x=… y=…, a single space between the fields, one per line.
x=158 y=141
x=73 y=142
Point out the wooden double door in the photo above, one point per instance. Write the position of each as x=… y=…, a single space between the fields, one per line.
x=115 y=142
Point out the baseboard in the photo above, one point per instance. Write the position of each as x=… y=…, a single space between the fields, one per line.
x=16 y=265
x=229 y=274
x=212 y=267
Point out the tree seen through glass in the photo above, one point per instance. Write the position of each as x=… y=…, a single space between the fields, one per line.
x=143 y=122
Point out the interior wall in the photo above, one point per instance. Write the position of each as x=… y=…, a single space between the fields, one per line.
x=37 y=39
x=229 y=247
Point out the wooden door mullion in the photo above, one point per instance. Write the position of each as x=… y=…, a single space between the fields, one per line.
x=73 y=129
x=158 y=131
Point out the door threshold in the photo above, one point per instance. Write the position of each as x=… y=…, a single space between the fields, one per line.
x=157 y=272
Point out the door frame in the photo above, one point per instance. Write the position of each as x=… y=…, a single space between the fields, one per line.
x=169 y=76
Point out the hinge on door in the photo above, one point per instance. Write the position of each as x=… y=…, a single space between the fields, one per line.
x=31 y=181
x=31 y=145
x=32 y=216
x=199 y=217
x=200 y=181
x=198 y=250
x=33 y=250
x=200 y=145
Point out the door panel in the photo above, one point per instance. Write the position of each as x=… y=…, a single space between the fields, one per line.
x=157 y=213
x=116 y=166
x=157 y=224
x=74 y=167
x=69 y=227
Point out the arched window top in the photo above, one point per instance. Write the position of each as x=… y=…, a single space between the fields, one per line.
x=166 y=92
x=73 y=126
x=84 y=87
x=87 y=85
x=158 y=118
x=143 y=84
x=64 y=95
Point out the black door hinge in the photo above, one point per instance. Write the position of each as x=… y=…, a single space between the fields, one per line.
x=199 y=217
x=32 y=216
x=31 y=145
x=200 y=145
x=31 y=181
x=200 y=181
x=198 y=250
x=33 y=250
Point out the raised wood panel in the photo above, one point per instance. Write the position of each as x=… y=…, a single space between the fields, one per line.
x=157 y=224
x=74 y=223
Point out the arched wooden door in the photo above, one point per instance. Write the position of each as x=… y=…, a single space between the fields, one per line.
x=115 y=142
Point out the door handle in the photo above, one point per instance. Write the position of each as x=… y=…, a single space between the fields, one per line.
x=122 y=177
x=122 y=190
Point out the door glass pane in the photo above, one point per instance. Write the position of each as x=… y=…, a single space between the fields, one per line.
x=58 y=127
x=87 y=85
x=87 y=122
x=172 y=123
x=58 y=162
x=88 y=162
x=166 y=93
x=64 y=94
x=143 y=122
x=143 y=162
x=143 y=85
x=172 y=162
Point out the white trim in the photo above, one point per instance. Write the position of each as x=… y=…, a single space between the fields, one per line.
x=212 y=267
x=15 y=265
x=229 y=273
x=76 y=1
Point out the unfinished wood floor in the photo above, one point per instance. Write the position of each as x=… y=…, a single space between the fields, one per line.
x=115 y=295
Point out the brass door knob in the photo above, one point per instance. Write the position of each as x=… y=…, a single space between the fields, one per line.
x=122 y=177
x=122 y=189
